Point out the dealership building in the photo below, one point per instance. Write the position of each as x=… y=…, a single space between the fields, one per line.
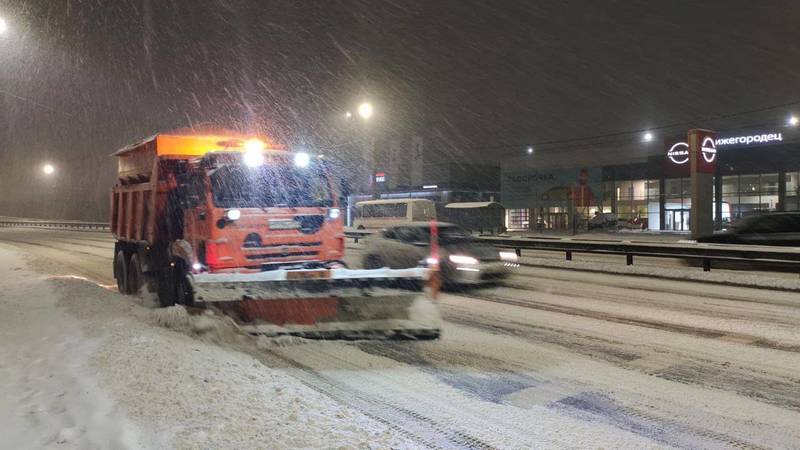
x=647 y=184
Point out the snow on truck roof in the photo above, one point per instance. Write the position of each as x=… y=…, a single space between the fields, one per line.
x=196 y=141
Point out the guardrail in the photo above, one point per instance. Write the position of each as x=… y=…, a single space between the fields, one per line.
x=68 y=225
x=705 y=254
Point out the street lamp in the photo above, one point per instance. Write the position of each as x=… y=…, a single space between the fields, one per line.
x=793 y=121
x=530 y=150
x=48 y=169
x=365 y=110
x=648 y=137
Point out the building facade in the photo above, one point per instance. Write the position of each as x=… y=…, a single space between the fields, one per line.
x=647 y=184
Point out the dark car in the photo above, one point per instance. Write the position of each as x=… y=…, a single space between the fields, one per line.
x=462 y=259
x=767 y=229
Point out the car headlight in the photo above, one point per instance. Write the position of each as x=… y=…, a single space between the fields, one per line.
x=334 y=213
x=462 y=259
x=431 y=261
x=508 y=256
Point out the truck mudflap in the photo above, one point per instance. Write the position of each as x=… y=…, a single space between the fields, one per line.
x=333 y=303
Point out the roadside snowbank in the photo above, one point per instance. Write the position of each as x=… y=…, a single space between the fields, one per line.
x=49 y=395
x=197 y=394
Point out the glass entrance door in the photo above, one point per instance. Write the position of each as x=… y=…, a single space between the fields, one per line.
x=555 y=221
x=677 y=220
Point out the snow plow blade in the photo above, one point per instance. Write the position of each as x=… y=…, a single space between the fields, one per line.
x=325 y=304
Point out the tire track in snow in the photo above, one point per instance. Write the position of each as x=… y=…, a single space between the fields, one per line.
x=410 y=423
x=608 y=317
x=589 y=291
x=592 y=406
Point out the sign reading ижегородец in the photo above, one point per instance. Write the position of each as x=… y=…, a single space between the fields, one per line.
x=749 y=140
x=677 y=148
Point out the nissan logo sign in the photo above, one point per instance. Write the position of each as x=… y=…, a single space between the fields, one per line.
x=708 y=149
x=679 y=153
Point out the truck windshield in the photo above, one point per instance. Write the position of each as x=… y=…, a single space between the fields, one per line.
x=270 y=185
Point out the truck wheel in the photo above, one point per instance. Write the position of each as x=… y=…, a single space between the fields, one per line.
x=174 y=288
x=166 y=287
x=121 y=272
x=183 y=290
x=135 y=276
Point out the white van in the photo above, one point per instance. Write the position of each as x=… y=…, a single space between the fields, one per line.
x=372 y=214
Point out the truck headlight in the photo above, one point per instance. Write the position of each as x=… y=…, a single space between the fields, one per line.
x=233 y=214
x=334 y=213
x=302 y=160
x=253 y=157
x=462 y=259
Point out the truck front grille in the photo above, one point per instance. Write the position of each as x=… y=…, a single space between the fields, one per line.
x=285 y=254
x=290 y=244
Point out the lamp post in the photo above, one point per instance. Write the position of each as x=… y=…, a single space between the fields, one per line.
x=364 y=113
x=365 y=110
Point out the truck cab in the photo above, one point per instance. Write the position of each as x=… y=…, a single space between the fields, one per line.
x=259 y=213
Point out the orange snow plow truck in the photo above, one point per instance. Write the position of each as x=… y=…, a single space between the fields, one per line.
x=209 y=217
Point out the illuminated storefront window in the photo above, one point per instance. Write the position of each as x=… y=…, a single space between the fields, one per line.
x=637 y=202
x=518 y=219
x=792 y=191
x=750 y=194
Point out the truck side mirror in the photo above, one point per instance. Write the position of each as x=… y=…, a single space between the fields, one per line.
x=189 y=192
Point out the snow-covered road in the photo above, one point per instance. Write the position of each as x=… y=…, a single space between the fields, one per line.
x=555 y=358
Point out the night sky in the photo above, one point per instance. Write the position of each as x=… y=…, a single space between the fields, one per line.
x=479 y=79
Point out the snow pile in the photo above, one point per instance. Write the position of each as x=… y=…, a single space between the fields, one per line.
x=266 y=342
x=209 y=385
x=49 y=395
x=178 y=318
